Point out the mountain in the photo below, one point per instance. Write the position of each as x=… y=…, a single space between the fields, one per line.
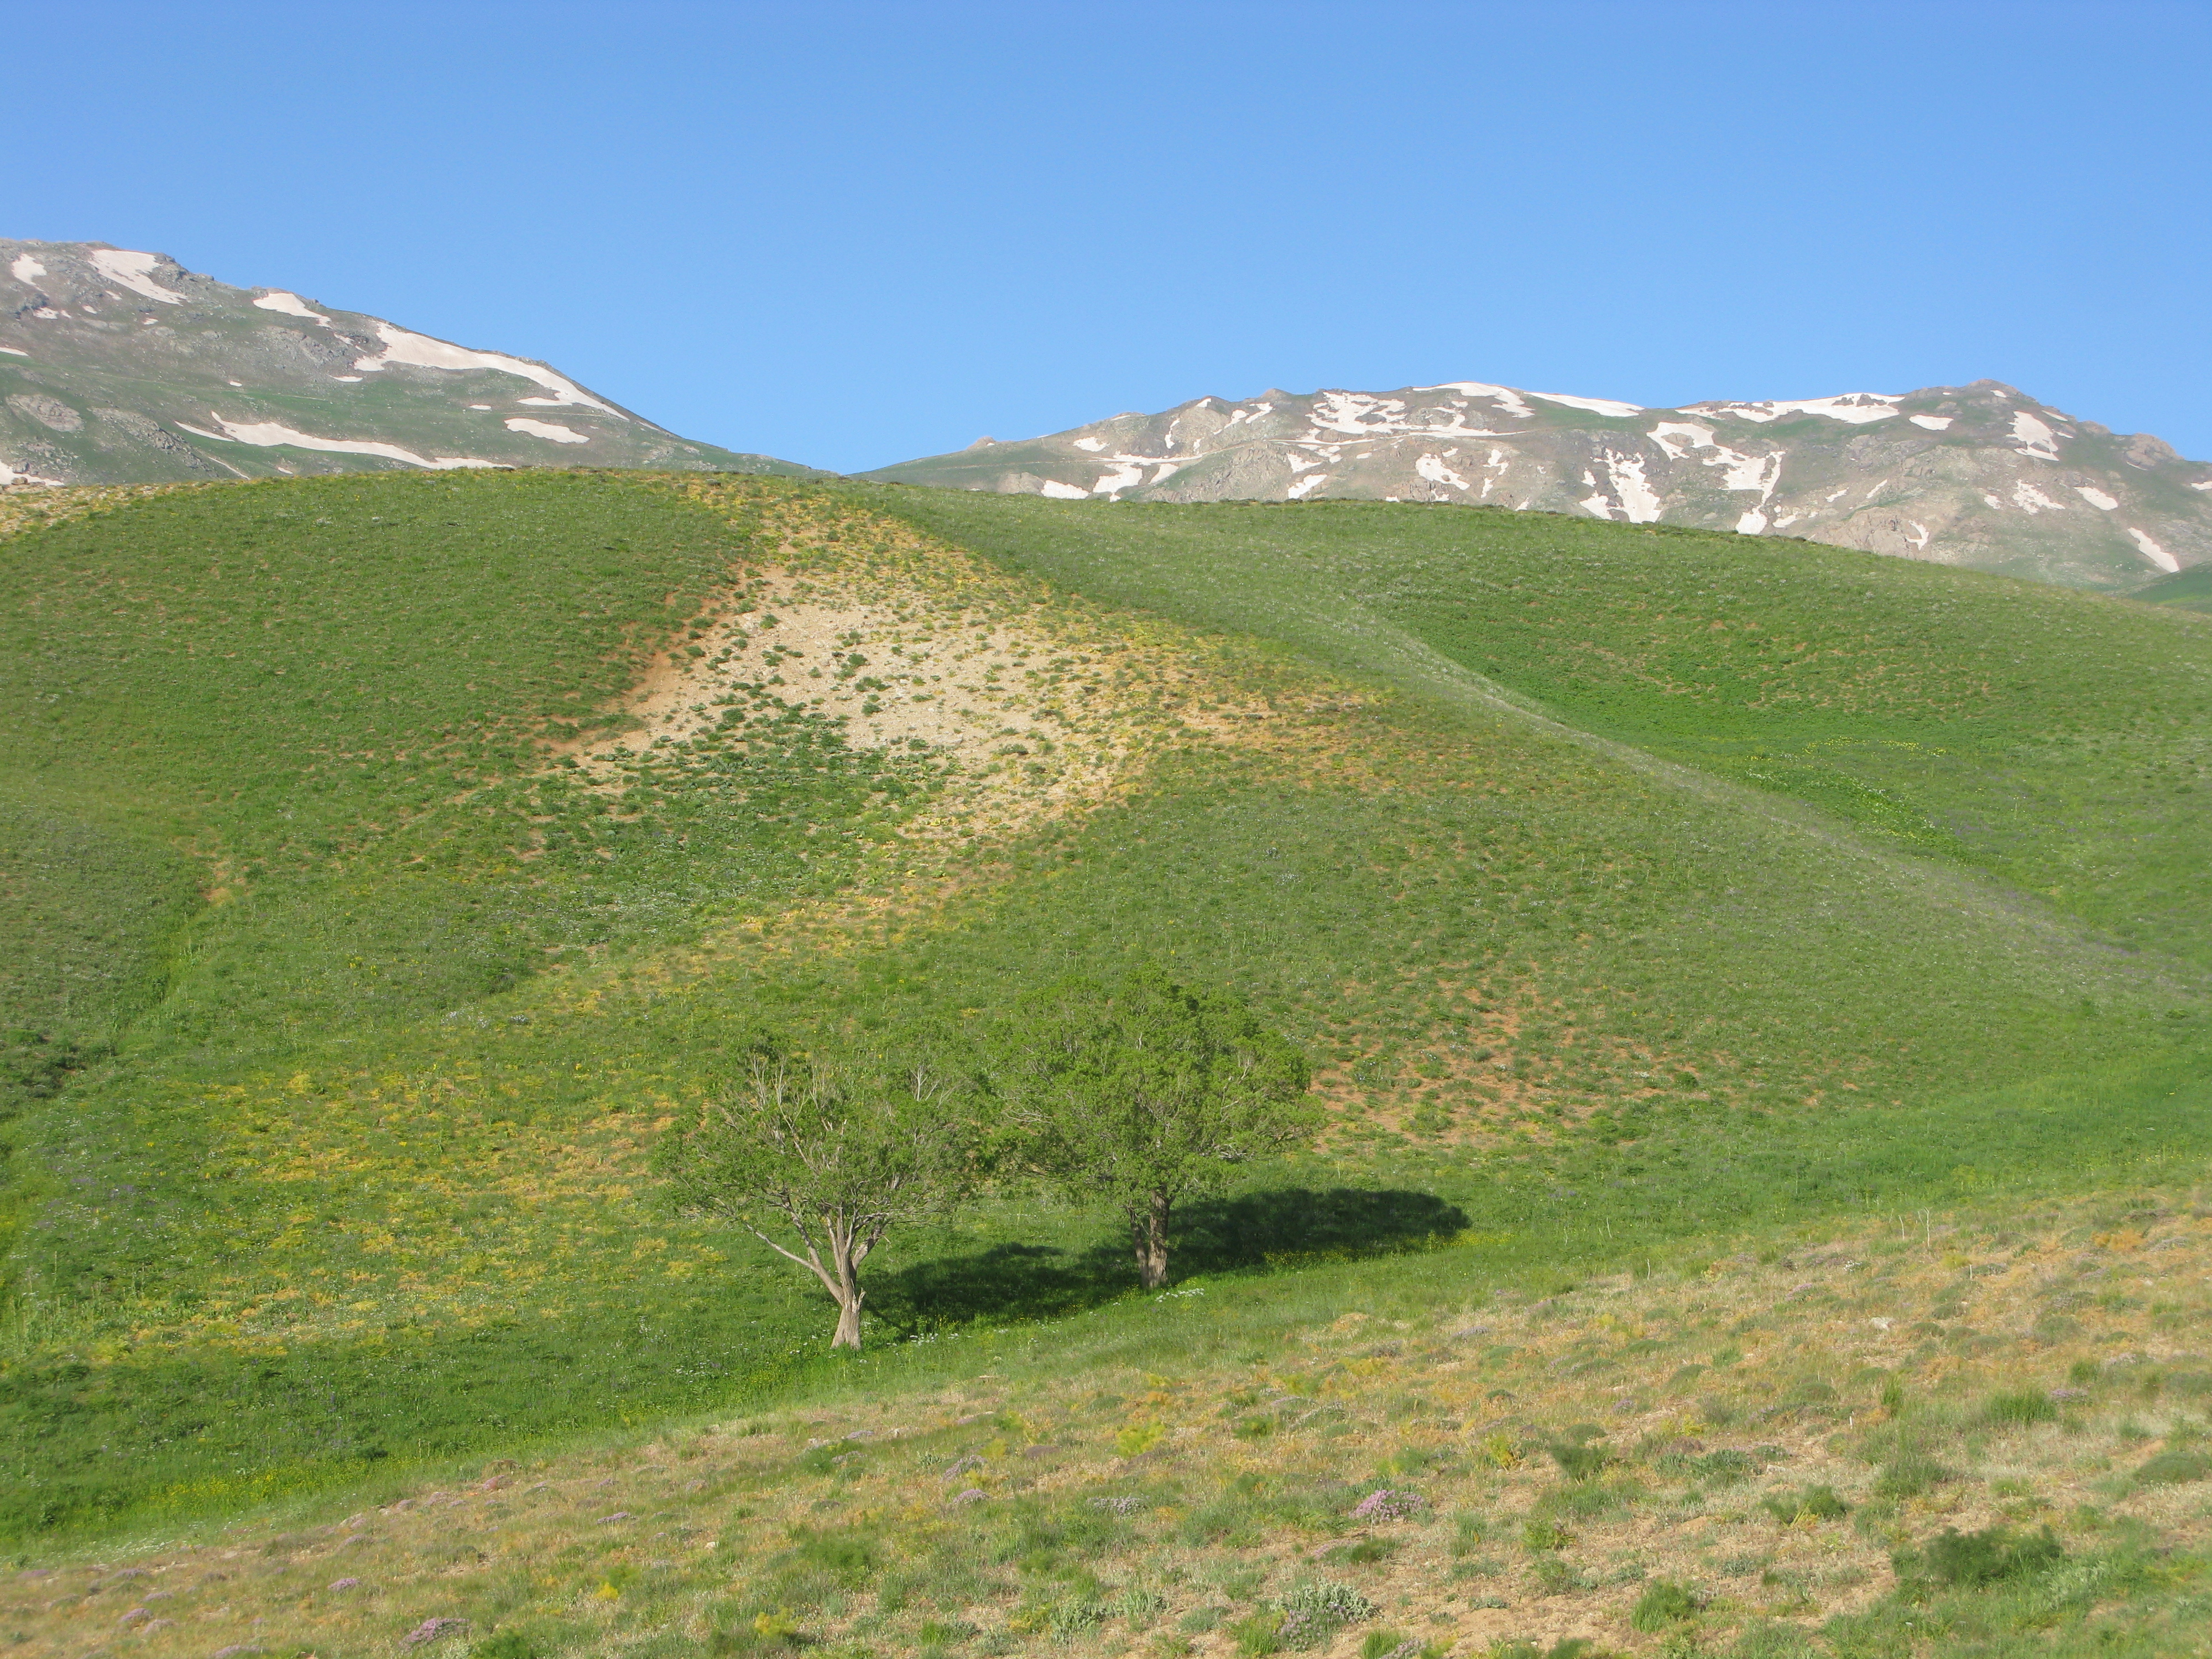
x=119 y=367
x=1687 y=929
x=1981 y=475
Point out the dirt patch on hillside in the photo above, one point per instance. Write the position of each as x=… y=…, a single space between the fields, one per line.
x=34 y=507
x=1042 y=703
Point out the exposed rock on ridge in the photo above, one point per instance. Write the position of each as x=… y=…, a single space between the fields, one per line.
x=1982 y=475
x=119 y=367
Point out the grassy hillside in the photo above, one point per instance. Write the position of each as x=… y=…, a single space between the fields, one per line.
x=2041 y=736
x=1759 y=1455
x=396 y=855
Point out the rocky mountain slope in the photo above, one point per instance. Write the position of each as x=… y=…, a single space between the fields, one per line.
x=1981 y=475
x=119 y=367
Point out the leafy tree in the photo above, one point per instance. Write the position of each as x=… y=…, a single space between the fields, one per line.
x=1145 y=1094
x=830 y=1149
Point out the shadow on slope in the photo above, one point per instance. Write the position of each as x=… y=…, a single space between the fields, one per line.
x=1281 y=1228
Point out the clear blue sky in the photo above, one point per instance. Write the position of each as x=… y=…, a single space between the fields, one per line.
x=850 y=233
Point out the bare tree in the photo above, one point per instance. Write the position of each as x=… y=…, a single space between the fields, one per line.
x=825 y=1152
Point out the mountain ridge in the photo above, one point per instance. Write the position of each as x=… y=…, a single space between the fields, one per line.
x=1981 y=475
x=119 y=366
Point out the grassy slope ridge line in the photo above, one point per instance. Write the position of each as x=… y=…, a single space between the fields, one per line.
x=366 y=1186
x=2052 y=739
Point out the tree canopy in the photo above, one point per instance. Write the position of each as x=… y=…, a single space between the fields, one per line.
x=824 y=1149
x=1145 y=1093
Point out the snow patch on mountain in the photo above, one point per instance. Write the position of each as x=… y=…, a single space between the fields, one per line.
x=1503 y=396
x=1594 y=405
x=268 y=435
x=134 y=271
x=2157 y=554
x=25 y=270
x=1856 y=408
x=1639 y=503
x=2034 y=437
x=290 y=304
x=421 y=351
x=1433 y=468
x=545 y=430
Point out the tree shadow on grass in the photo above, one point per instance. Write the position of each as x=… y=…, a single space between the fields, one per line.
x=1290 y=1227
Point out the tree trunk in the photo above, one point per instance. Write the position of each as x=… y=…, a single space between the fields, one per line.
x=850 y=1297
x=1148 y=1232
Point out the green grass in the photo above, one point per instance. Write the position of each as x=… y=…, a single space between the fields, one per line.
x=2052 y=739
x=397 y=999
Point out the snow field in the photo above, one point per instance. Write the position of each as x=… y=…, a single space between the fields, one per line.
x=135 y=272
x=268 y=435
x=290 y=304
x=421 y=351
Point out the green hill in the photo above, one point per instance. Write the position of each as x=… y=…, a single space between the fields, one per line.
x=390 y=856
x=2189 y=590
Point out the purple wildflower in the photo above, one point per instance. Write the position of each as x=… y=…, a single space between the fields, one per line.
x=1385 y=1504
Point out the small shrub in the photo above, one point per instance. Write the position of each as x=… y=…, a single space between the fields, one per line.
x=1555 y=1577
x=1585 y=1500
x=1386 y=1503
x=1139 y=1607
x=1071 y=1617
x=1773 y=1639
x=1260 y=1634
x=1468 y=1532
x=1542 y=1535
x=2031 y=1407
x=505 y=1645
x=1578 y=1463
x=1963 y=1559
x=1724 y=1467
x=2171 y=1467
x=1327 y=1599
x=1664 y=1603
x=1137 y=1438
x=1908 y=1474
x=1498 y=1451
x=1568 y=1647
x=848 y=1557
x=1819 y=1502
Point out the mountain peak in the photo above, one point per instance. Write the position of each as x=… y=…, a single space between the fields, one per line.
x=120 y=366
x=1981 y=475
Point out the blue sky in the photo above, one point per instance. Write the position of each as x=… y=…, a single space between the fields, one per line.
x=852 y=234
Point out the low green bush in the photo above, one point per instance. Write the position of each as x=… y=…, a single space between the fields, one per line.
x=1663 y=1603
x=2033 y=1406
x=1963 y=1559
x=2173 y=1466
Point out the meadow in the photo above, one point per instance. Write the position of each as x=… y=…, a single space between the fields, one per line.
x=390 y=858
